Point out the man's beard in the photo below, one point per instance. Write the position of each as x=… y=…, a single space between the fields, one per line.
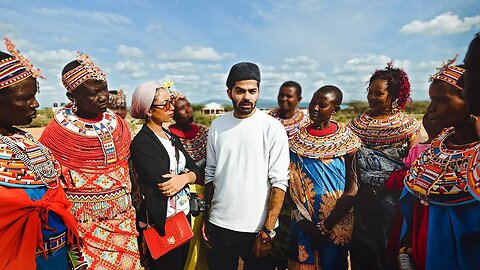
x=243 y=111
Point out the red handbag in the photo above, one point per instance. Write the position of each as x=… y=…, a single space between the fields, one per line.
x=177 y=233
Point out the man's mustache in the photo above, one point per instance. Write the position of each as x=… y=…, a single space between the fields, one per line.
x=245 y=103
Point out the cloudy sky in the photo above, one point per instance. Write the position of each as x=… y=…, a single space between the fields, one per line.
x=195 y=42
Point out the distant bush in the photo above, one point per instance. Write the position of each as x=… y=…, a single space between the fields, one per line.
x=227 y=107
x=203 y=119
x=44 y=116
x=197 y=107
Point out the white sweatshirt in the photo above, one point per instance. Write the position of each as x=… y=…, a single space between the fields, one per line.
x=245 y=159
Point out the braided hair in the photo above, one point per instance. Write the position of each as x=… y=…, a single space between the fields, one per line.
x=398 y=85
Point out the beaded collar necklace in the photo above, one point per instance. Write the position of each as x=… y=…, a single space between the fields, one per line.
x=292 y=125
x=102 y=129
x=439 y=174
x=339 y=143
x=35 y=157
x=195 y=147
x=398 y=127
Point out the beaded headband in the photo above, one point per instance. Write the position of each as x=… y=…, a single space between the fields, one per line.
x=449 y=73
x=16 y=68
x=86 y=70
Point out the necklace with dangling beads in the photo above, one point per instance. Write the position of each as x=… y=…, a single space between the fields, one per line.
x=35 y=157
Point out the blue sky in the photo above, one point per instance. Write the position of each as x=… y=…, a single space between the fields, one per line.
x=194 y=43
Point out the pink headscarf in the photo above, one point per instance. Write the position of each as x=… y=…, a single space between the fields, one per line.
x=142 y=99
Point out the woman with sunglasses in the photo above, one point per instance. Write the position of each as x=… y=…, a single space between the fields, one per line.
x=92 y=146
x=163 y=166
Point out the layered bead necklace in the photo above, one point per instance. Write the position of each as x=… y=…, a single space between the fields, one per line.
x=396 y=128
x=339 y=143
x=34 y=156
x=292 y=125
x=439 y=174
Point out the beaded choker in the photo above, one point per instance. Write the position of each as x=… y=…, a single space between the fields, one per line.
x=339 y=143
x=396 y=128
x=292 y=125
x=102 y=129
x=37 y=166
x=439 y=174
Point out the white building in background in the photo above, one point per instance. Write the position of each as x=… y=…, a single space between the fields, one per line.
x=214 y=109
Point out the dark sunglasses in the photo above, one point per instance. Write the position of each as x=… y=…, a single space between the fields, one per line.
x=166 y=106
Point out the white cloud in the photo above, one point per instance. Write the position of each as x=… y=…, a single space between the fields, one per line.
x=353 y=75
x=444 y=24
x=133 y=69
x=183 y=79
x=300 y=63
x=62 y=39
x=6 y=28
x=174 y=66
x=190 y=53
x=106 y=18
x=152 y=28
x=127 y=51
x=52 y=59
x=363 y=64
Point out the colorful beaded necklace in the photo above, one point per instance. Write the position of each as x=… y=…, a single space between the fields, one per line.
x=473 y=175
x=102 y=129
x=439 y=174
x=196 y=146
x=374 y=133
x=339 y=143
x=34 y=156
x=292 y=125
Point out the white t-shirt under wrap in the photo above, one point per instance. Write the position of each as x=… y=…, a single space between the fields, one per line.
x=245 y=158
x=180 y=201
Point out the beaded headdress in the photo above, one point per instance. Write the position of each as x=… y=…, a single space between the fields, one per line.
x=86 y=70
x=449 y=73
x=16 y=68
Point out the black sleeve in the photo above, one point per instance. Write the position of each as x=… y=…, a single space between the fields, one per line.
x=150 y=164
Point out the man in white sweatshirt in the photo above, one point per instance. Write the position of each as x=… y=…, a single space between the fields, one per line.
x=246 y=177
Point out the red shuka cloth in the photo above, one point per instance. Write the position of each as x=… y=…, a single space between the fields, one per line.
x=21 y=222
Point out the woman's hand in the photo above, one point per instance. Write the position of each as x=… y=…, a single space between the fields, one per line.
x=311 y=230
x=175 y=183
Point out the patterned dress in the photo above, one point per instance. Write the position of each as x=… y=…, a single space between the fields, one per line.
x=445 y=234
x=317 y=181
x=280 y=245
x=94 y=157
x=195 y=143
x=385 y=144
x=36 y=227
x=292 y=125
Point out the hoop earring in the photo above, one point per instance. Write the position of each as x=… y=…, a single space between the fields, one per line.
x=74 y=106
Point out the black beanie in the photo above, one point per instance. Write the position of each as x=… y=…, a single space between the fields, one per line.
x=243 y=71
